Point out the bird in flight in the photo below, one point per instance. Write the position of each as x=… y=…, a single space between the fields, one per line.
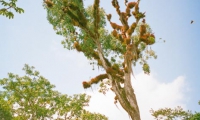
x=191 y=21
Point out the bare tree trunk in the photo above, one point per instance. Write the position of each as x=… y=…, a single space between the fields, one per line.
x=127 y=98
x=125 y=95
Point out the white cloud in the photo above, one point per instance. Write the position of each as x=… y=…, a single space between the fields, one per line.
x=150 y=94
x=104 y=104
x=153 y=94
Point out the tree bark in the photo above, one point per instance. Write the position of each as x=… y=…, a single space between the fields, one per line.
x=127 y=97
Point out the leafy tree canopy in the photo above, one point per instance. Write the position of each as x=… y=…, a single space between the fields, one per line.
x=33 y=97
x=174 y=114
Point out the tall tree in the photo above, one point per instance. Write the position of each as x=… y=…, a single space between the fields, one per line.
x=115 y=51
x=8 y=7
x=33 y=97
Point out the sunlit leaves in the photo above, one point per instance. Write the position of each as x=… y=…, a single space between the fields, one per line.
x=170 y=114
x=33 y=97
x=95 y=116
x=176 y=113
x=146 y=68
x=31 y=92
x=5 y=110
x=8 y=6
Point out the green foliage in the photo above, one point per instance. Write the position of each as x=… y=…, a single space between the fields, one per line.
x=84 y=29
x=171 y=114
x=5 y=110
x=95 y=116
x=33 y=97
x=30 y=95
x=146 y=68
x=195 y=116
x=8 y=6
x=65 y=21
x=65 y=25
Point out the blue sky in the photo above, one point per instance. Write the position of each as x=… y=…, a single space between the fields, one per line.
x=30 y=39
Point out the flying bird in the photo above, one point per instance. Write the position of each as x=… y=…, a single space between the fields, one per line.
x=192 y=21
